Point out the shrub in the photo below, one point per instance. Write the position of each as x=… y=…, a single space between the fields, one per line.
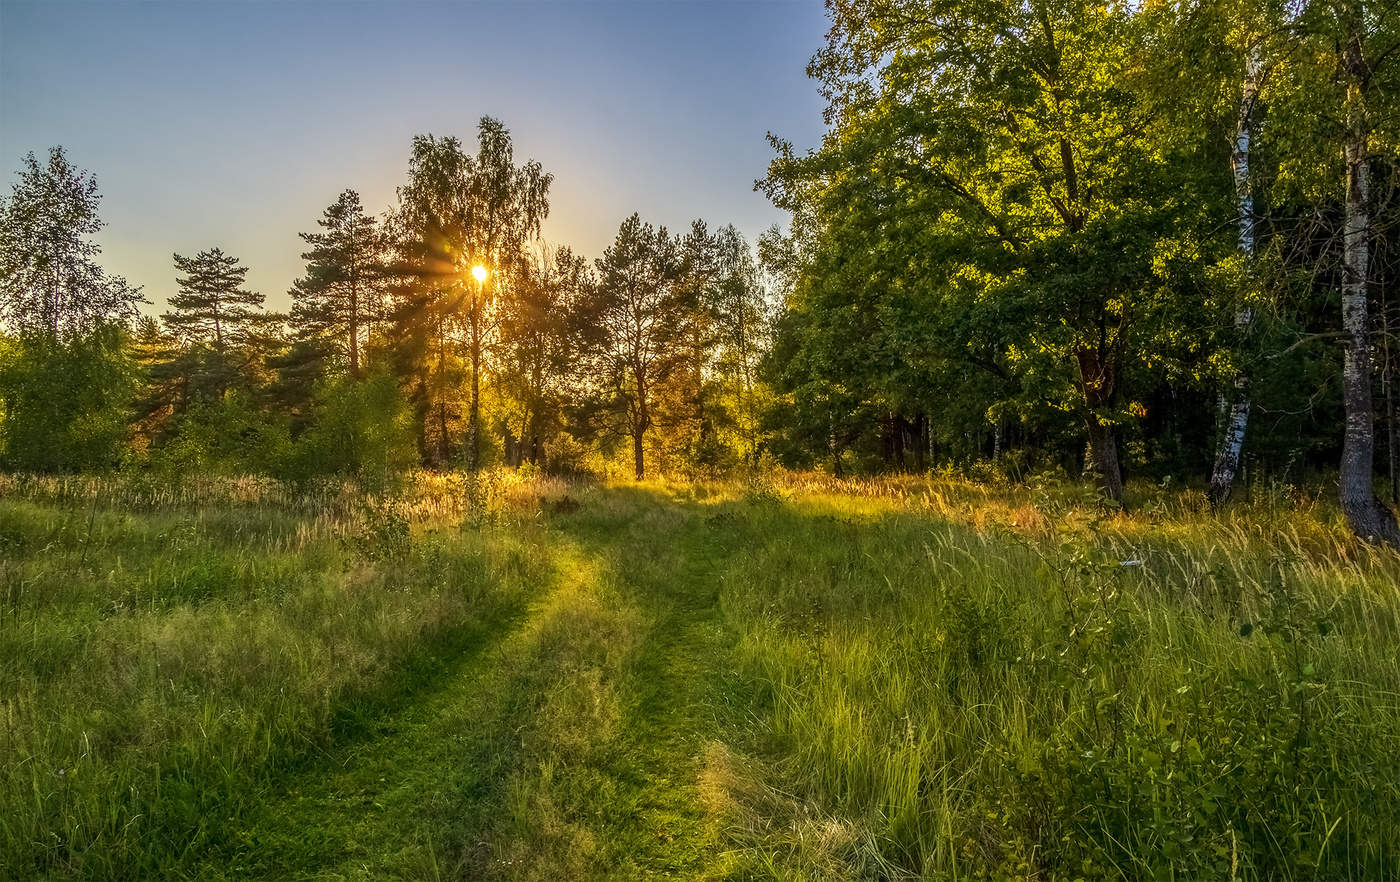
x=360 y=427
x=64 y=405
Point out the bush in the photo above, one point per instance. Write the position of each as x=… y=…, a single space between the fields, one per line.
x=226 y=436
x=359 y=427
x=64 y=406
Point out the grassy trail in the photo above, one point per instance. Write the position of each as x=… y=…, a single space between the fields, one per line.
x=566 y=745
x=676 y=684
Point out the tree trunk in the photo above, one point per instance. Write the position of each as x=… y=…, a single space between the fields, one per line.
x=1097 y=384
x=354 y=331
x=920 y=442
x=1368 y=517
x=640 y=425
x=474 y=426
x=53 y=304
x=1388 y=389
x=1227 y=457
x=442 y=449
x=442 y=433
x=1103 y=459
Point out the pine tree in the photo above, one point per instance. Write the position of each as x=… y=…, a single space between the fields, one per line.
x=340 y=296
x=297 y=372
x=212 y=305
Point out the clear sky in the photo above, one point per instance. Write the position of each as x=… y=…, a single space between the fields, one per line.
x=236 y=123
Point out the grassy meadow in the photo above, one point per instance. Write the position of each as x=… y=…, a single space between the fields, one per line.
x=792 y=678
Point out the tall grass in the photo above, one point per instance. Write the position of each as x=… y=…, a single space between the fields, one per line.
x=964 y=681
x=166 y=648
x=878 y=679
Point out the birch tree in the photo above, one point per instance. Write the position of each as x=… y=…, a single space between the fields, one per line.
x=468 y=216
x=1227 y=459
x=1366 y=514
x=50 y=281
x=637 y=324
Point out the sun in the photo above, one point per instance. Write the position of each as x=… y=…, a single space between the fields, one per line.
x=479 y=272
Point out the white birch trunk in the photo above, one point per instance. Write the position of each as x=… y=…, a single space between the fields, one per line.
x=1227 y=458
x=1367 y=516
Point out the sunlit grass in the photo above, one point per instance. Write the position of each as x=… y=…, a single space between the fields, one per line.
x=166 y=649
x=965 y=679
x=792 y=677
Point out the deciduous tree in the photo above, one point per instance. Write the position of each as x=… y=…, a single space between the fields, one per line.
x=636 y=316
x=50 y=282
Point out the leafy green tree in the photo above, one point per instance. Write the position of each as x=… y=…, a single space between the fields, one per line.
x=1357 y=30
x=705 y=413
x=65 y=406
x=50 y=282
x=684 y=406
x=996 y=167
x=742 y=316
x=635 y=320
x=537 y=344
x=363 y=427
x=459 y=213
x=1227 y=458
x=231 y=434
x=1331 y=124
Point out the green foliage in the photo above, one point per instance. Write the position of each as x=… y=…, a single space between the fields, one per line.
x=64 y=406
x=637 y=318
x=341 y=295
x=224 y=436
x=361 y=428
x=459 y=214
x=384 y=532
x=50 y=282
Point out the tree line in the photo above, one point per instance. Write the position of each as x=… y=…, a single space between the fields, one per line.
x=445 y=333
x=1148 y=239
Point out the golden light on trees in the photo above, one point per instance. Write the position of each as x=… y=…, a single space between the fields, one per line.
x=479 y=273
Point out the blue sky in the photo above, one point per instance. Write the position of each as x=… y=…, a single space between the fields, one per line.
x=235 y=123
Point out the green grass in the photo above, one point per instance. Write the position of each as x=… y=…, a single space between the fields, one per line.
x=799 y=679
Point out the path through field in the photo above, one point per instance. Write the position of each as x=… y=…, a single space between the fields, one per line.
x=564 y=744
